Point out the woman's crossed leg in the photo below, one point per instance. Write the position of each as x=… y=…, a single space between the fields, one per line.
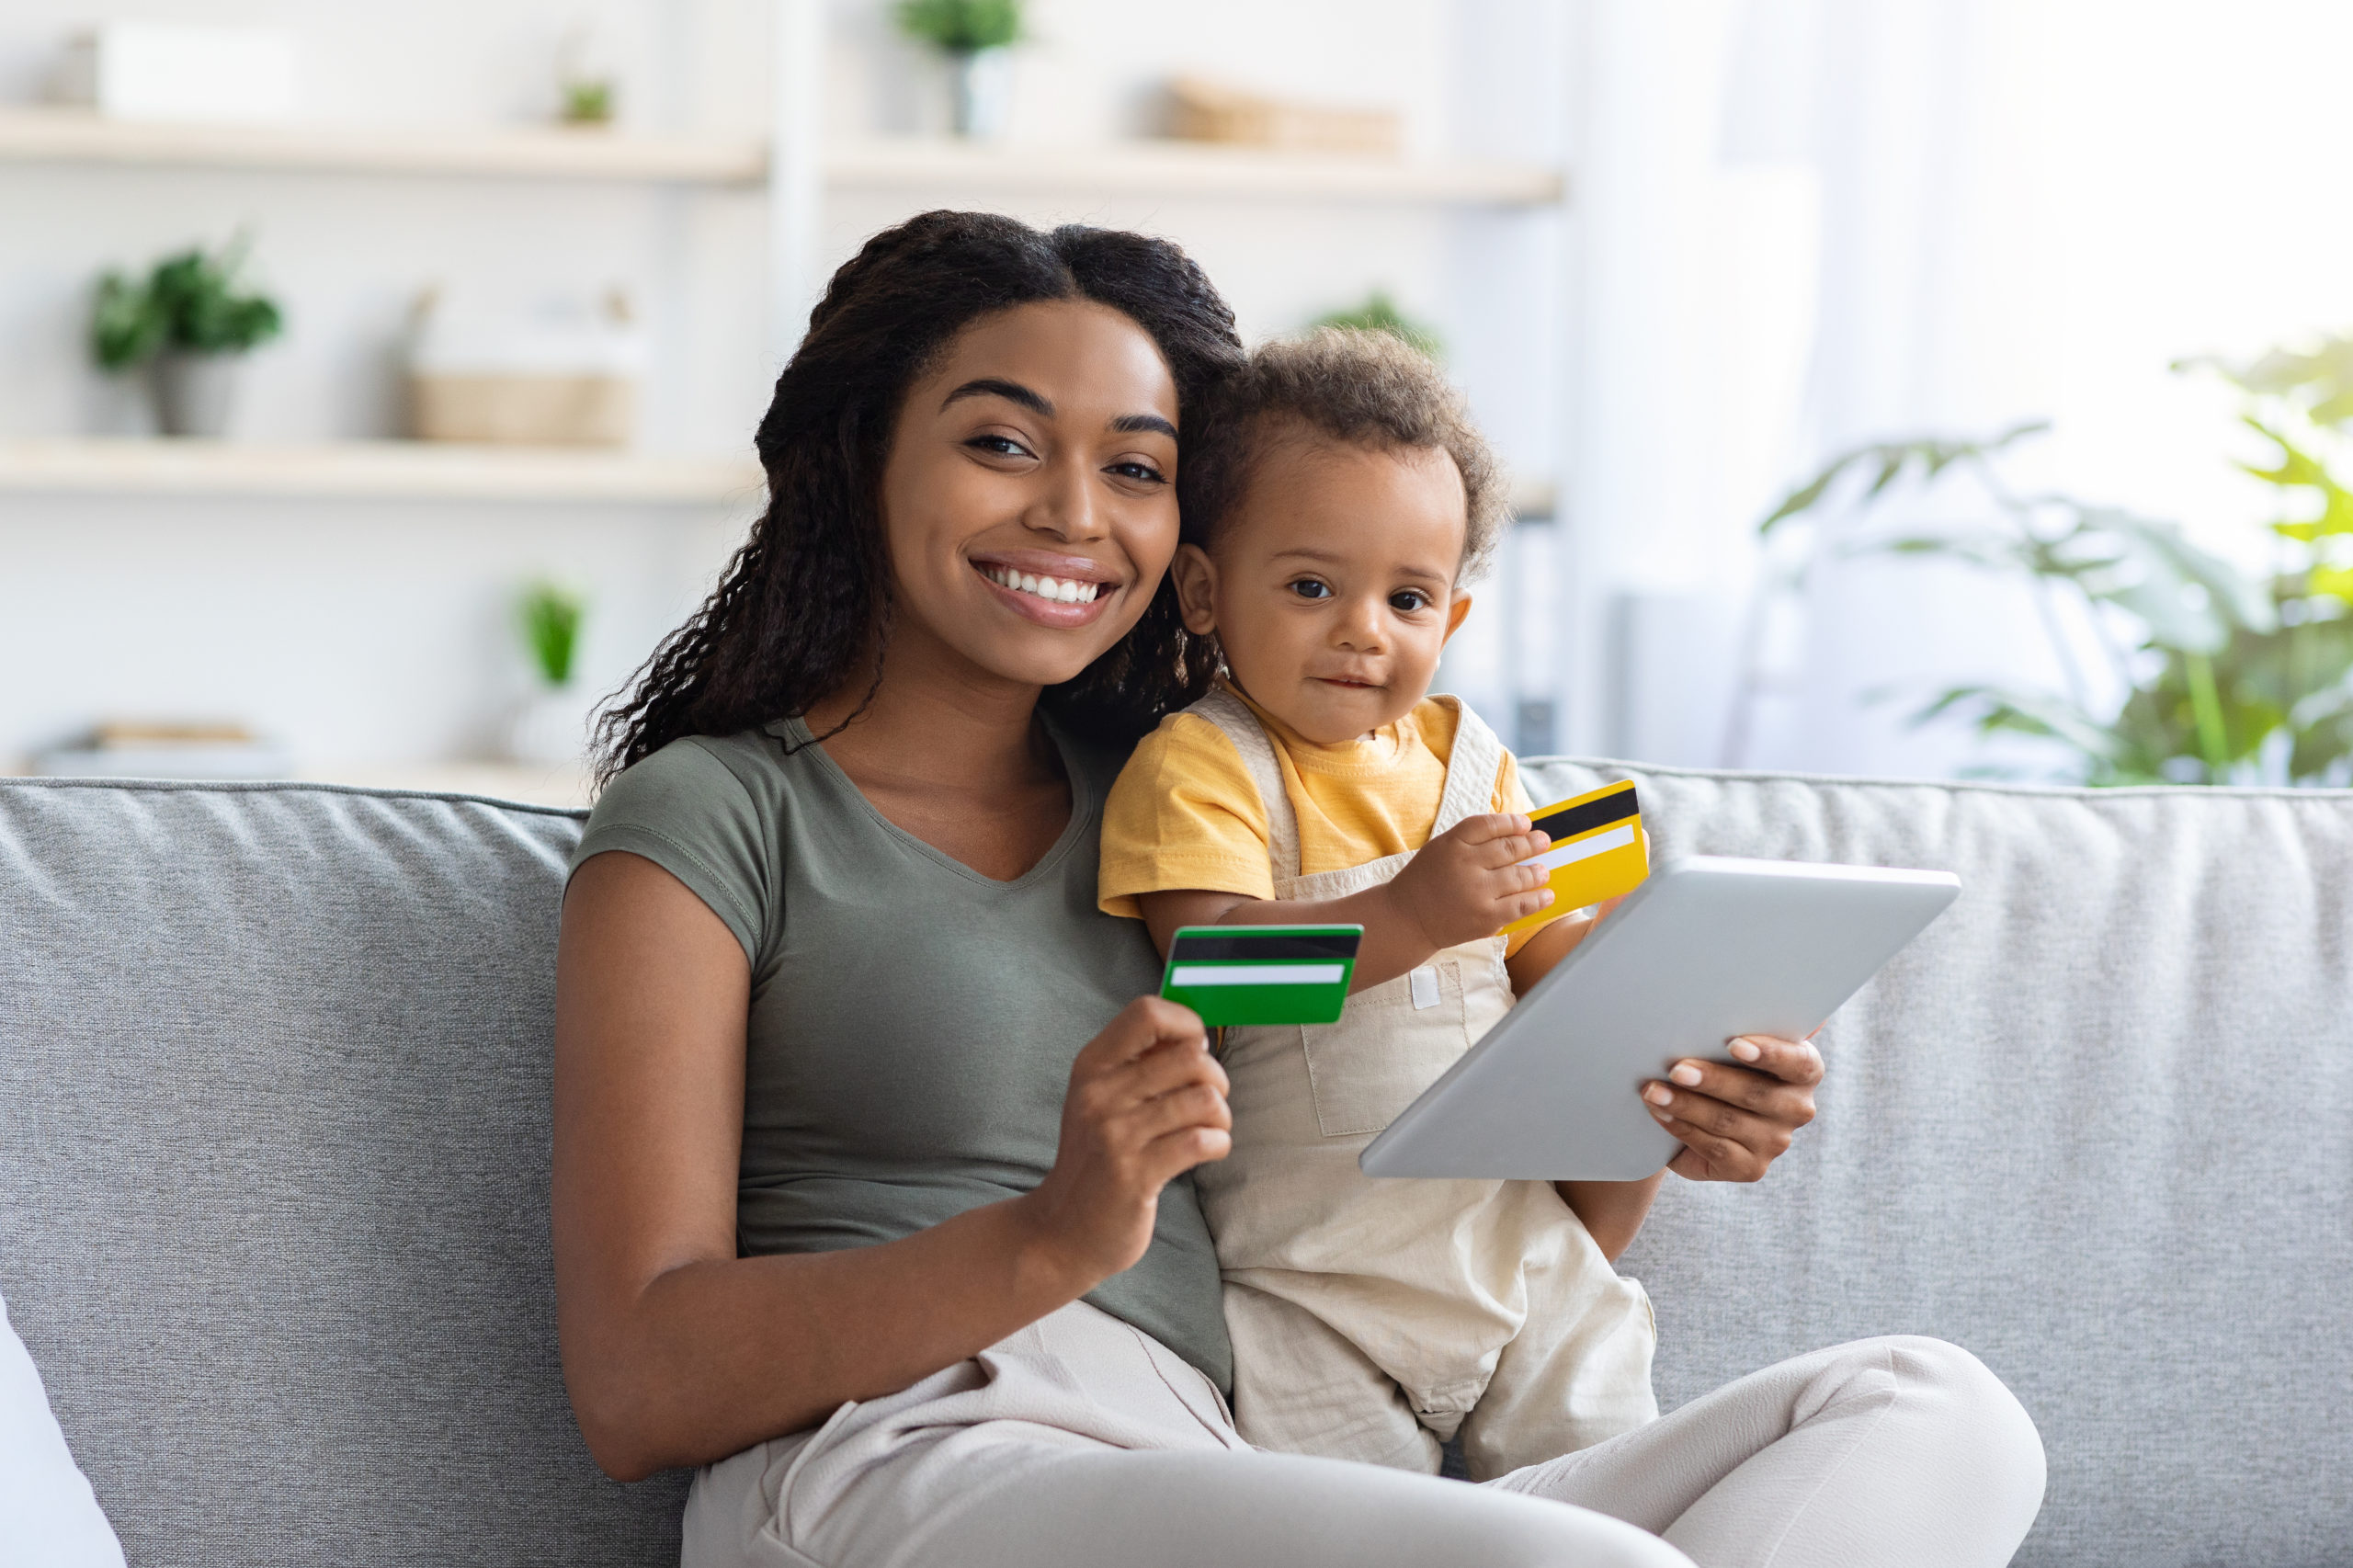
x=1895 y=1450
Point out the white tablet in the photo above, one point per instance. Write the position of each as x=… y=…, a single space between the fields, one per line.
x=1704 y=950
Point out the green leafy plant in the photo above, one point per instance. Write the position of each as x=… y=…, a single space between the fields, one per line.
x=552 y=616
x=190 y=303
x=2231 y=677
x=1380 y=314
x=962 y=27
x=588 y=101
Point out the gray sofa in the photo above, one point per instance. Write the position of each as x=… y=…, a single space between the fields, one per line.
x=273 y=1129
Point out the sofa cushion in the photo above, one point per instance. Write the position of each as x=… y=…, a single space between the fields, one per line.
x=2094 y=1126
x=274 y=1071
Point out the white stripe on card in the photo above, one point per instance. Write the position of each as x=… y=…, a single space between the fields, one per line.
x=1254 y=975
x=1584 y=848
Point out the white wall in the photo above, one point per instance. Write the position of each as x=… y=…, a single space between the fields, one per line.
x=381 y=632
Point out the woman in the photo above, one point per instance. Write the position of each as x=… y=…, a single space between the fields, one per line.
x=850 y=1207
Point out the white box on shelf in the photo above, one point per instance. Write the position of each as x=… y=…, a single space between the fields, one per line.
x=172 y=72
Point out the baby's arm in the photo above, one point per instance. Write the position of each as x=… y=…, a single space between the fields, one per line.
x=1464 y=884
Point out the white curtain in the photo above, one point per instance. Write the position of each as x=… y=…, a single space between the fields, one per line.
x=1802 y=224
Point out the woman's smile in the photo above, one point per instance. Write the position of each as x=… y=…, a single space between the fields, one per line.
x=1049 y=589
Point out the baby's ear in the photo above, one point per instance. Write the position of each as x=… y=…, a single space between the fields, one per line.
x=1196 y=578
x=1457 y=612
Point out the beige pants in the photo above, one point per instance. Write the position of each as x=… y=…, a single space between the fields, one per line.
x=1082 y=1443
x=1373 y=1320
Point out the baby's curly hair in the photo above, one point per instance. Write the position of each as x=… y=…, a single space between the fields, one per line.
x=1362 y=389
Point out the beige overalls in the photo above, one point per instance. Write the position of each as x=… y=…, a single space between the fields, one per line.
x=1374 y=1319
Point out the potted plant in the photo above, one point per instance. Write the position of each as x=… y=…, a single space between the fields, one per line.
x=585 y=93
x=550 y=728
x=974 y=36
x=191 y=326
x=2229 y=676
x=1380 y=314
x=587 y=100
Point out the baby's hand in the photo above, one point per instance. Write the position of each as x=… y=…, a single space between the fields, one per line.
x=1467 y=882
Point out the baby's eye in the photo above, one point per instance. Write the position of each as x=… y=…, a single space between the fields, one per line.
x=1406 y=601
x=1308 y=588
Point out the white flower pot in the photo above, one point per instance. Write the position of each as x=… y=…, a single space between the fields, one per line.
x=549 y=729
x=982 y=83
x=194 y=393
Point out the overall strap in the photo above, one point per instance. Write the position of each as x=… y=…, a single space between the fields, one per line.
x=1234 y=718
x=1471 y=770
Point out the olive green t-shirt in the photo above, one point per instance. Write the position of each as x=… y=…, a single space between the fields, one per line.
x=913 y=1022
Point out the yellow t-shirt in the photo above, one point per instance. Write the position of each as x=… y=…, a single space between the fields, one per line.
x=1185 y=812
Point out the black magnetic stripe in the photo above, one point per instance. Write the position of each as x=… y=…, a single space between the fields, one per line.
x=1244 y=949
x=1592 y=815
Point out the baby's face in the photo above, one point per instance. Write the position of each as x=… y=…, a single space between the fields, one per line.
x=1332 y=584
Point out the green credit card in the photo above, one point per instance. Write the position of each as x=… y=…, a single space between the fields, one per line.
x=1262 y=974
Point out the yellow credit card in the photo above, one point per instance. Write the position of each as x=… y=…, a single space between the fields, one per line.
x=1596 y=851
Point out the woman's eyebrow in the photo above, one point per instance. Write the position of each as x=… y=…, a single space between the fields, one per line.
x=1012 y=391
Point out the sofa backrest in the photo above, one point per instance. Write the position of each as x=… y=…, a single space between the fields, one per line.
x=273 y=1175
x=274 y=1127
x=2095 y=1125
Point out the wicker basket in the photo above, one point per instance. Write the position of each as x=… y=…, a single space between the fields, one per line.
x=523 y=409
x=1205 y=111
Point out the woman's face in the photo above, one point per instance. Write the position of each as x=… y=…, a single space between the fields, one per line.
x=1029 y=498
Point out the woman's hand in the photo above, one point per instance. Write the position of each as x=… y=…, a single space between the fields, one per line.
x=1736 y=1121
x=1146 y=1104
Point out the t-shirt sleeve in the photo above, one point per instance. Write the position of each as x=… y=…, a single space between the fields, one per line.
x=686 y=812
x=1511 y=790
x=1511 y=795
x=1184 y=813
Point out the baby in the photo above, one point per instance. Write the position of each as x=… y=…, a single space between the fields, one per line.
x=1336 y=499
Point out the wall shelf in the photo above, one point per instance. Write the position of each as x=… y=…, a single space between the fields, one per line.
x=423 y=470
x=401 y=470
x=79 y=136
x=1132 y=168
x=1187 y=169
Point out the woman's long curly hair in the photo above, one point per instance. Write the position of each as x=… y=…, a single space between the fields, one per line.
x=808 y=597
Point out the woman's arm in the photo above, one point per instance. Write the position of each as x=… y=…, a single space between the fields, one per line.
x=1733 y=1122
x=677 y=1352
